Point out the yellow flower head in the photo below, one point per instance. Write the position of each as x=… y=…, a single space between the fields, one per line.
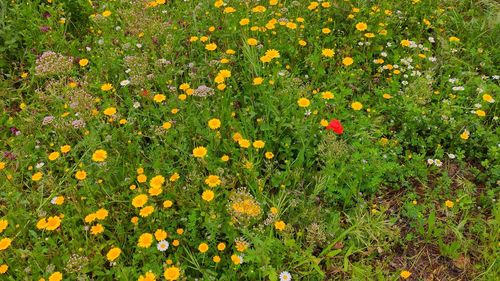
x=328 y=52
x=199 y=152
x=208 y=195
x=99 y=155
x=361 y=26
x=214 y=123
x=303 y=102
x=356 y=105
x=113 y=253
x=172 y=273
x=145 y=240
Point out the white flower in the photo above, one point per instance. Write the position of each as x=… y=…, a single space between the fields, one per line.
x=438 y=162
x=285 y=276
x=162 y=246
x=430 y=161
x=451 y=156
x=431 y=39
x=40 y=165
x=136 y=104
x=54 y=200
x=125 y=83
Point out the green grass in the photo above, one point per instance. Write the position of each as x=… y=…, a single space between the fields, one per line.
x=411 y=184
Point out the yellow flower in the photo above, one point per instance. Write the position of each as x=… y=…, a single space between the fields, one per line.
x=216 y=259
x=328 y=53
x=140 y=200
x=244 y=21
x=37 y=176
x=244 y=143
x=99 y=155
x=172 y=273
x=465 y=135
x=83 y=62
x=97 y=229
x=225 y=158
x=302 y=43
x=142 y=178
x=167 y=125
x=157 y=181
x=327 y=95
x=145 y=240
x=241 y=246
x=5 y=243
x=203 y=247
x=113 y=253
x=53 y=223
x=159 y=98
x=361 y=26
x=149 y=276
x=167 y=204
x=269 y=155
x=221 y=246
x=3 y=225
x=65 y=148
x=213 y=181
x=56 y=276
x=257 y=80
x=106 y=87
x=449 y=204
x=146 y=211
x=272 y=54
x=184 y=86
x=53 y=156
x=106 y=13
x=211 y=46
x=237 y=137
x=265 y=59
x=3 y=268
x=59 y=200
x=236 y=259
x=454 y=39
x=480 y=113
x=405 y=43
x=405 y=274
x=208 y=195
x=303 y=102
x=252 y=41
x=174 y=177
x=110 y=111
x=356 y=105
x=258 y=144
x=280 y=225
x=80 y=175
x=387 y=96
x=488 y=98
x=199 y=152
x=347 y=61
x=160 y=234
x=2 y=165
x=214 y=123
x=101 y=214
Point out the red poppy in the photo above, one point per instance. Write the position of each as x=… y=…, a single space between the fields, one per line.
x=335 y=126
